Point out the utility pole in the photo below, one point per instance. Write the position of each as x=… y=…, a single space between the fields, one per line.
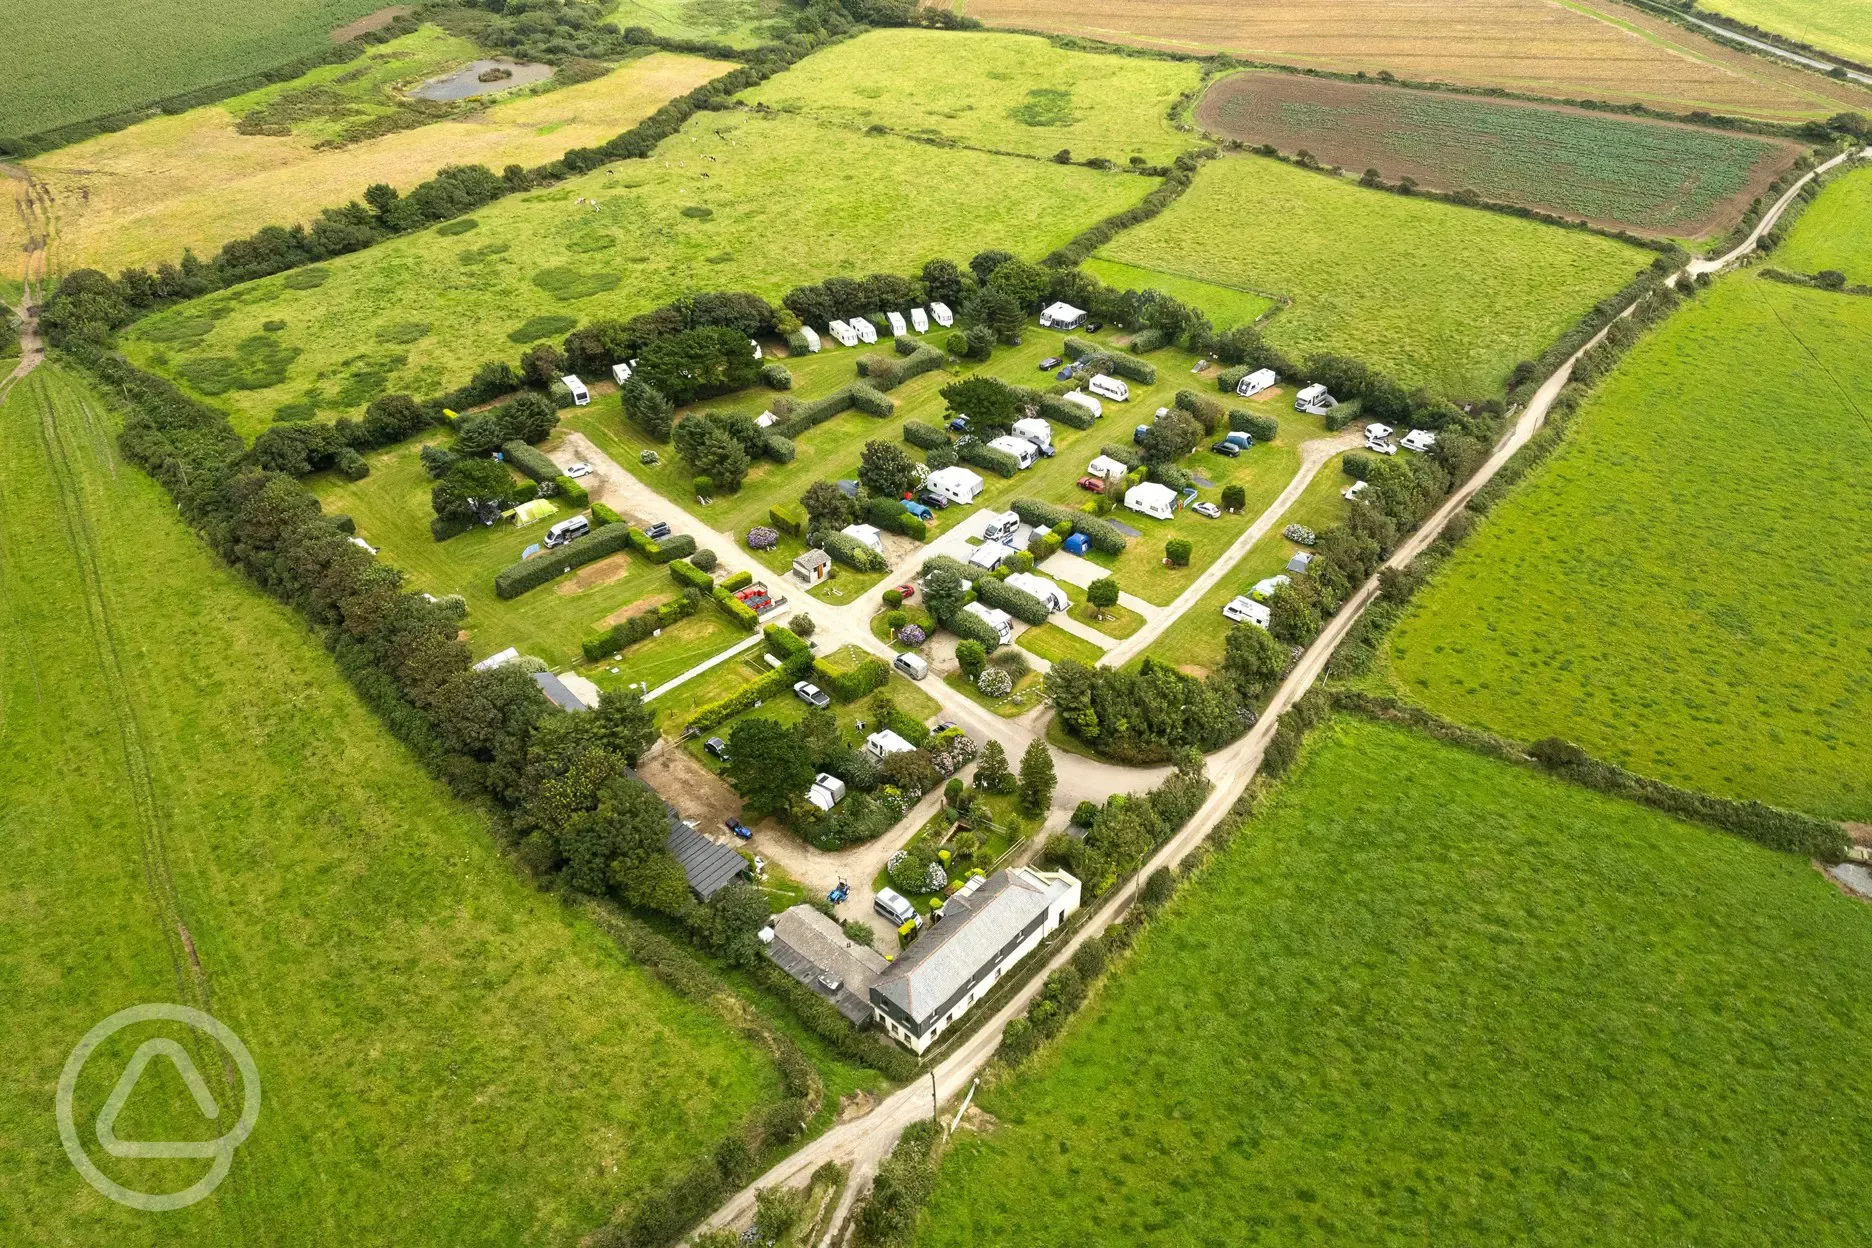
x=935 y=1112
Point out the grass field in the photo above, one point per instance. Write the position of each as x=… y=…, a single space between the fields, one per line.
x=1428 y=998
x=771 y=200
x=448 y=1056
x=192 y=180
x=1437 y=295
x=737 y=23
x=1684 y=588
x=1011 y=93
x=1053 y=643
x=1843 y=27
x=1833 y=232
x=74 y=61
x=1224 y=305
x=1652 y=177
x=1583 y=49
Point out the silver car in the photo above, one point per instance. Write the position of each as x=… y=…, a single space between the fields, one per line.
x=811 y=694
x=1206 y=509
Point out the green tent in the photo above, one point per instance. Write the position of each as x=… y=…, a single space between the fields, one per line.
x=533 y=509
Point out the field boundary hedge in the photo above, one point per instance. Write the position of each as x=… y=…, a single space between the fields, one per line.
x=548 y=565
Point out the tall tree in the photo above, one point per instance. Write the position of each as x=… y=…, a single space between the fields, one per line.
x=885 y=470
x=1102 y=594
x=991 y=769
x=766 y=765
x=1037 y=779
x=623 y=724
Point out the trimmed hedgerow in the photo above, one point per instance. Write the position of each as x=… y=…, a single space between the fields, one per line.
x=629 y=632
x=1054 y=407
x=779 y=449
x=1100 y=533
x=1018 y=603
x=789 y=518
x=775 y=374
x=529 y=460
x=871 y=401
x=735 y=609
x=888 y=513
x=848 y=684
x=773 y=684
x=784 y=642
x=685 y=573
x=971 y=627
x=1261 y=428
x=851 y=552
x=738 y=580
x=1126 y=455
x=984 y=456
x=929 y=437
x=513 y=581
x=887 y=374
x=804 y=416
x=679 y=546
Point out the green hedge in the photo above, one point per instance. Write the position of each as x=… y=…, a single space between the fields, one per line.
x=1206 y=411
x=685 y=573
x=1018 y=603
x=531 y=573
x=679 y=546
x=1053 y=407
x=982 y=455
x=629 y=632
x=1149 y=340
x=803 y=416
x=785 y=643
x=1229 y=378
x=740 y=580
x=1261 y=428
x=1043 y=514
x=971 y=628
x=772 y=685
x=852 y=553
x=735 y=609
x=776 y=375
x=887 y=374
x=871 y=401
x=571 y=493
x=530 y=460
x=780 y=449
x=789 y=518
x=888 y=513
x=927 y=436
x=1130 y=366
x=848 y=684
x=1126 y=455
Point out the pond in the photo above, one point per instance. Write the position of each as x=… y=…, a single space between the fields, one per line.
x=482 y=78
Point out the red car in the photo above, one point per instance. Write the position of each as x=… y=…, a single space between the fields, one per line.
x=907 y=590
x=1095 y=484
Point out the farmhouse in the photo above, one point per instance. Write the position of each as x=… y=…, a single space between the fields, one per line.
x=956 y=484
x=1086 y=401
x=1040 y=587
x=1023 y=451
x=811 y=336
x=999 y=620
x=919 y=320
x=1148 y=498
x=942 y=315
x=1254 y=383
x=815 y=951
x=811 y=566
x=1107 y=467
x=986 y=928
x=867 y=534
x=898 y=328
x=846 y=335
x=709 y=866
x=884 y=742
x=1061 y=316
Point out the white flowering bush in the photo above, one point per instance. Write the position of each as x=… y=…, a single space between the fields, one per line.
x=995 y=683
x=1300 y=533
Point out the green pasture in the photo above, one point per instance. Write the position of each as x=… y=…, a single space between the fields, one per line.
x=737 y=23
x=73 y=62
x=1197 y=637
x=1642 y=175
x=1835 y=231
x=447 y=1054
x=1685 y=587
x=1436 y=295
x=1116 y=622
x=1426 y=997
x=1224 y=305
x=1007 y=93
x=1843 y=27
x=735 y=201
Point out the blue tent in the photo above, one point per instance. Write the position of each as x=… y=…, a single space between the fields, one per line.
x=1078 y=544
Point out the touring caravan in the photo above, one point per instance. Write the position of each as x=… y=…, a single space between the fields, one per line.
x=1061 y=316
x=811 y=336
x=1246 y=610
x=1313 y=399
x=1000 y=621
x=620 y=373
x=1036 y=431
x=845 y=334
x=957 y=484
x=990 y=555
x=1040 y=587
x=1086 y=401
x=580 y=395
x=1023 y=451
x=898 y=328
x=919 y=320
x=1254 y=383
x=1148 y=498
x=940 y=313
x=1109 y=388
x=866 y=331
x=1106 y=468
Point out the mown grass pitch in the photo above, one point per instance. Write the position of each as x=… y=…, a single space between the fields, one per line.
x=1835 y=232
x=71 y=62
x=1011 y=93
x=447 y=1054
x=1437 y=295
x=1685 y=587
x=1843 y=27
x=735 y=201
x=1652 y=177
x=1428 y=997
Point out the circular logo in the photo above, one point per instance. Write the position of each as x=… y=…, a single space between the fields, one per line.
x=220 y=1150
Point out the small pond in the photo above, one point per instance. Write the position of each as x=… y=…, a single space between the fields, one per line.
x=468 y=82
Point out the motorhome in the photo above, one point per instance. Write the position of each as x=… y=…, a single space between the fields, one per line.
x=1023 y=451
x=999 y=526
x=1109 y=387
x=1315 y=400
x=1000 y=621
x=566 y=530
x=1254 y=383
x=580 y=395
x=1036 y=431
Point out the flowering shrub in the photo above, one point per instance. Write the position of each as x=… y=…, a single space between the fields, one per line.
x=912 y=635
x=916 y=872
x=951 y=751
x=995 y=683
x=760 y=537
x=1300 y=533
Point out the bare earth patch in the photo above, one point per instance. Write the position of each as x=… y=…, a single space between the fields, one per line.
x=369 y=22
x=695 y=791
x=632 y=608
x=592 y=575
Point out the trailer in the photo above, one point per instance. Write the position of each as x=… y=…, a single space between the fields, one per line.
x=1254 y=383
x=919 y=320
x=940 y=313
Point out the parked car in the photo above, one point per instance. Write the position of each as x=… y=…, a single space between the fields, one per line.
x=1095 y=484
x=811 y=695
x=959 y=425
x=658 y=531
x=839 y=894
x=907 y=590
x=717 y=747
x=1377 y=447
x=580 y=469
x=1207 y=509
x=739 y=829
x=1052 y=361
x=1227 y=450
x=930 y=498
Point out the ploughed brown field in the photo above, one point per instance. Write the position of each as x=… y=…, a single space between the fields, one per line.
x=1583 y=49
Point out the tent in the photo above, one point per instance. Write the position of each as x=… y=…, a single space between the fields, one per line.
x=534 y=509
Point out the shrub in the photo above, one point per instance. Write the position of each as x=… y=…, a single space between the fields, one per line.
x=1053 y=407
x=851 y=552
x=1229 y=378
x=995 y=683
x=893 y=599
x=737 y=581
x=916 y=433
x=1234 y=497
x=1146 y=340
x=802 y=625
x=971 y=656
x=871 y=401
x=788 y=518
x=1177 y=551
x=1261 y=428
x=779 y=449
x=530 y=461
x=849 y=683
x=775 y=374
x=972 y=627
x=704 y=559
x=760 y=537
x=513 y=581
x=1300 y=534
x=1205 y=410
x=912 y=635
x=1103 y=536
x=677 y=546
x=982 y=455
x=685 y=573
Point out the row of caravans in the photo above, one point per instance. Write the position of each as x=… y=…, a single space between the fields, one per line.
x=860 y=329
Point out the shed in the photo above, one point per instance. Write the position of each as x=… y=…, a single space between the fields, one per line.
x=557 y=693
x=919 y=320
x=940 y=313
x=1085 y=400
x=957 y=484
x=1299 y=563
x=1148 y=498
x=1061 y=316
x=531 y=511
x=708 y=865
x=1040 y=587
x=811 y=336
x=811 y=566
x=846 y=335
x=898 y=328
x=814 y=950
x=868 y=534
x=1107 y=467
x=883 y=743
x=1254 y=383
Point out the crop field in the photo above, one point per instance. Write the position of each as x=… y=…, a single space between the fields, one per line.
x=1833 y=233
x=1652 y=177
x=447 y=1054
x=1843 y=27
x=1684 y=588
x=1584 y=49
x=193 y=180
x=703 y=213
x=85 y=58
x=737 y=23
x=1436 y=295
x=1428 y=997
x=1009 y=93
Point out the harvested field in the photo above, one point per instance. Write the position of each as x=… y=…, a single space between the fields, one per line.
x=1584 y=49
x=1652 y=177
x=193 y=180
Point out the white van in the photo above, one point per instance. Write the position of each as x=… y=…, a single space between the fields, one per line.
x=911 y=665
x=1109 y=388
x=1314 y=399
x=580 y=395
x=566 y=530
x=999 y=526
x=891 y=904
x=1023 y=451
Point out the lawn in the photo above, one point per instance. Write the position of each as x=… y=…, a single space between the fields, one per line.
x=1429 y=998
x=1842 y=27
x=735 y=201
x=1008 y=93
x=1196 y=639
x=1022 y=698
x=1053 y=643
x=392 y=511
x=854 y=718
x=1832 y=232
x=1434 y=294
x=448 y=1055
x=1115 y=622
x=737 y=23
x=1583 y=49
x=1224 y=305
x=1652 y=177
x=141 y=195
x=73 y=62
x=1683 y=589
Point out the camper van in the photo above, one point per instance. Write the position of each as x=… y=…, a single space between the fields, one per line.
x=1036 y=431
x=912 y=665
x=566 y=530
x=1109 y=388
x=1314 y=399
x=919 y=320
x=1023 y=451
x=1086 y=401
x=1254 y=383
x=1000 y=621
x=580 y=395
x=999 y=526
x=891 y=904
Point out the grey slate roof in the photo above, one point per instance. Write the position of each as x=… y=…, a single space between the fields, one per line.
x=708 y=865
x=807 y=945
x=555 y=689
x=974 y=932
